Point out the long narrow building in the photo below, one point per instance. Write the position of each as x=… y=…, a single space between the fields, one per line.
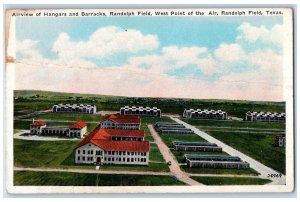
x=265 y=116
x=215 y=161
x=75 y=108
x=141 y=111
x=204 y=114
x=196 y=146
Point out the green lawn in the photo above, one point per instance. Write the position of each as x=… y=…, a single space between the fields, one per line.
x=69 y=117
x=60 y=154
x=230 y=180
x=155 y=154
x=219 y=171
x=259 y=146
x=168 y=138
x=233 y=123
x=30 y=178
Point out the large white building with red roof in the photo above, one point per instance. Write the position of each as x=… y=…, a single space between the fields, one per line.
x=116 y=121
x=37 y=126
x=113 y=146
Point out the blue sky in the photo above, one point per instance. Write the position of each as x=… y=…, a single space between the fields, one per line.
x=210 y=49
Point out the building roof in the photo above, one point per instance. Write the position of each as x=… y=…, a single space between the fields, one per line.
x=78 y=124
x=101 y=137
x=280 y=135
x=38 y=123
x=131 y=119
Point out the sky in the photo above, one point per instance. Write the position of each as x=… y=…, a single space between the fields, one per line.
x=238 y=58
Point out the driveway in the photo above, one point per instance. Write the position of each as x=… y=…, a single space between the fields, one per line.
x=259 y=167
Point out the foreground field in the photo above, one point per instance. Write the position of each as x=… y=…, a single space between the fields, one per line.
x=230 y=180
x=28 y=178
x=60 y=154
x=256 y=141
x=30 y=101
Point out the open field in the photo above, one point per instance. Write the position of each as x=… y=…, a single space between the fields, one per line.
x=30 y=101
x=256 y=141
x=230 y=180
x=60 y=154
x=29 y=178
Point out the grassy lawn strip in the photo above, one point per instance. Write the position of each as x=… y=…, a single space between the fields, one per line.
x=168 y=138
x=259 y=146
x=70 y=117
x=233 y=123
x=30 y=178
x=230 y=180
x=60 y=154
x=219 y=171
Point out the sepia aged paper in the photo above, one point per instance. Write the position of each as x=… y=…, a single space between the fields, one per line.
x=194 y=100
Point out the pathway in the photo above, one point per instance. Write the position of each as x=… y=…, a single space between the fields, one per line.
x=169 y=157
x=259 y=167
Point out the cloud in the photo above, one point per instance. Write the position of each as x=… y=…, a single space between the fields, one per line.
x=261 y=36
x=104 y=42
x=230 y=71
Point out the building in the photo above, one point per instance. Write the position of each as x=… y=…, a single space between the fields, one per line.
x=196 y=146
x=265 y=116
x=113 y=146
x=204 y=114
x=37 y=126
x=75 y=108
x=280 y=140
x=115 y=121
x=141 y=111
x=215 y=161
x=76 y=130
x=172 y=128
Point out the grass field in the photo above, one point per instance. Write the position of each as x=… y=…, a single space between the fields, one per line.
x=60 y=154
x=28 y=178
x=256 y=141
x=30 y=101
x=230 y=180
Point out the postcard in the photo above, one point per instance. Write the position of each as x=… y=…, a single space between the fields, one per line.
x=194 y=100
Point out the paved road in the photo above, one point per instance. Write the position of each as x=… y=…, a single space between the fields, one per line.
x=259 y=167
x=39 y=138
x=168 y=156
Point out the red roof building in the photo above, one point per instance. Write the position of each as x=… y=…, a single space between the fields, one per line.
x=113 y=146
x=280 y=140
x=38 y=123
x=116 y=121
x=78 y=125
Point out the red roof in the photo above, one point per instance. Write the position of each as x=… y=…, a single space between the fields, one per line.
x=102 y=138
x=38 y=123
x=78 y=124
x=130 y=119
x=131 y=146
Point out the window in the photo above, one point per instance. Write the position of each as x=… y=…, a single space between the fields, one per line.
x=92 y=152
x=132 y=153
x=83 y=158
x=108 y=159
x=78 y=158
x=88 y=152
x=78 y=151
x=128 y=153
x=127 y=159
x=131 y=159
x=112 y=159
x=83 y=151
